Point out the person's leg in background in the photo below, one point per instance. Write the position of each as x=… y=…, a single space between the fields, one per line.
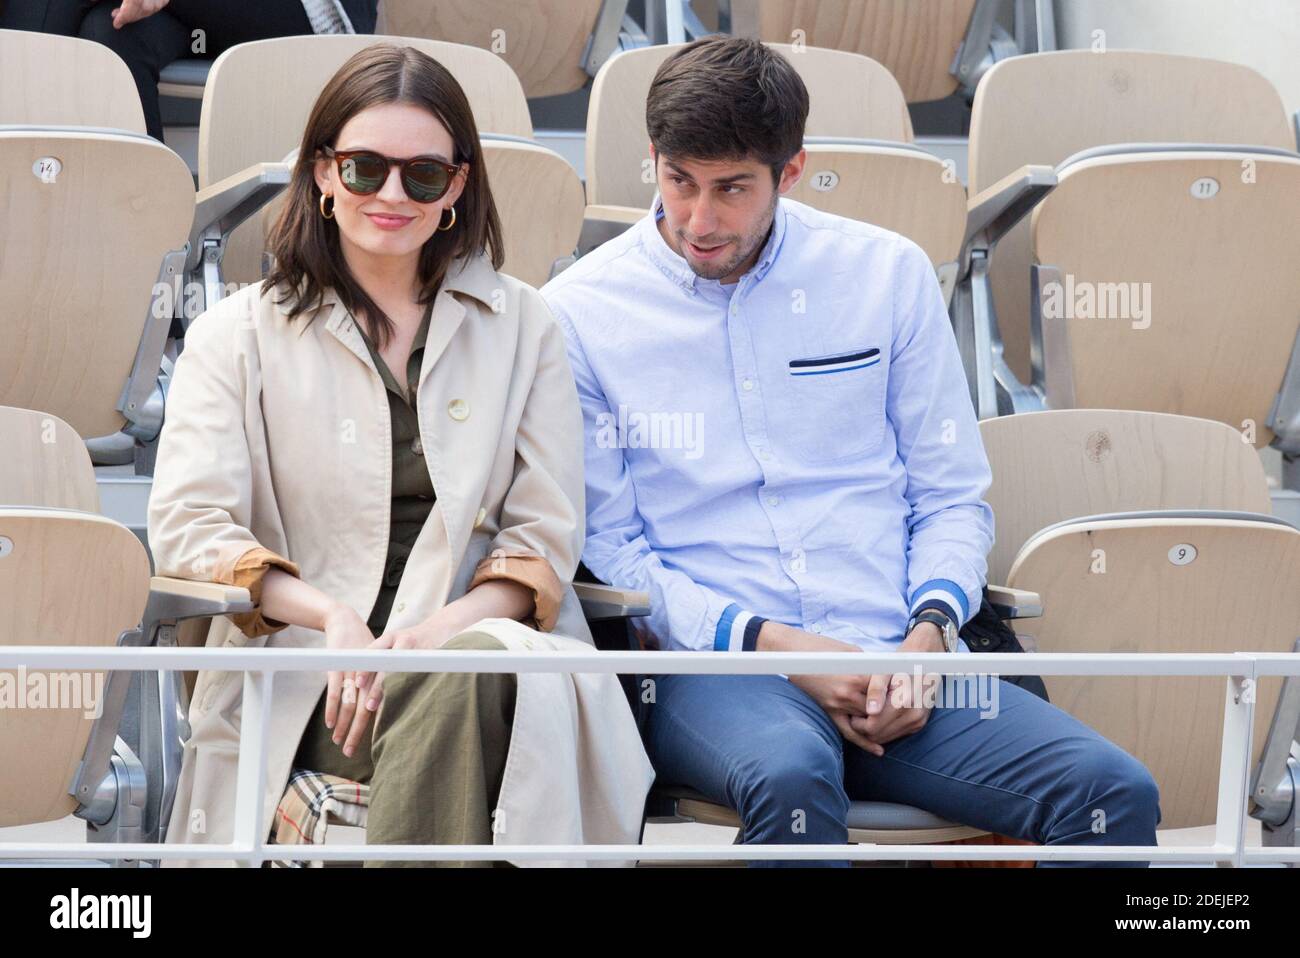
x=187 y=28
x=146 y=46
x=439 y=753
x=755 y=743
x=44 y=16
x=1030 y=771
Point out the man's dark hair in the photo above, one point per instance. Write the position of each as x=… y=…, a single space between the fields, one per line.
x=727 y=98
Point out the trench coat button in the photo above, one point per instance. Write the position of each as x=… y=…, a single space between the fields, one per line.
x=458 y=409
x=417 y=446
x=478 y=519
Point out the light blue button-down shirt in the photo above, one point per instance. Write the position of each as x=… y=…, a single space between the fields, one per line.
x=799 y=445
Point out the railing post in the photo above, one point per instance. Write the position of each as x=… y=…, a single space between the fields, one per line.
x=1234 y=764
x=254 y=731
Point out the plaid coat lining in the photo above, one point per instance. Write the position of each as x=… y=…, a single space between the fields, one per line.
x=312 y=802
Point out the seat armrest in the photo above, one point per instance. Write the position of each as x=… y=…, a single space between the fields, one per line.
x=992 y=212
x=1015 y=603
x=173 y=600
x=606 y=602
x=220 y=208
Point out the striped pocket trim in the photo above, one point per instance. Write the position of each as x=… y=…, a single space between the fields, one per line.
x=834 y=364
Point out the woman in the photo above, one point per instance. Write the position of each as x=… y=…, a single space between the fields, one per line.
x=382 y=443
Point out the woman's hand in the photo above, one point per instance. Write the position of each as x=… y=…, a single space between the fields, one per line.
x=432 y=633
x=129 y=11
x=498 y=598
x=344 y=629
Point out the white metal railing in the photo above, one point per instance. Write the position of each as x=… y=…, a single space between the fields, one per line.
x=260 y=665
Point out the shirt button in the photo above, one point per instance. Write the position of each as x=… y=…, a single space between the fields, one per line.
x=773 y=500
x=764 y=455
x=417 y=446
x=747 y=384
x=478 y=519
x=401 y=607
x=815 y=628
x=458 y=409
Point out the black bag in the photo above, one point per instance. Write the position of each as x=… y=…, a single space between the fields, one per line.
x=986 y=632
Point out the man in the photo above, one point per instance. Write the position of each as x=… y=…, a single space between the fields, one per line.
x=781 y=451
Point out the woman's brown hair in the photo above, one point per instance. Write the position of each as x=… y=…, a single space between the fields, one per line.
x=308 y=257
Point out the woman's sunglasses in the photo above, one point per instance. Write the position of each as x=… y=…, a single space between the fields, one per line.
x=364 y=172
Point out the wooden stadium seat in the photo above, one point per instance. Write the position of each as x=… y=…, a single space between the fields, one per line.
x=1145 y=532
x=1045 y=107
x=53 y=471
x=1062 y=464
x=892 y=185
x=1206 y=238
x=64 y=81
x=73 y=578
x=259 y=95
x=69 y=578
x=1237 y=595
x=916 y=42
x=617 y=156
x=543 y=41
x=539 y=198
x=86 y=220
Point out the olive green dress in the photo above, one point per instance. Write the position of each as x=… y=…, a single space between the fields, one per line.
x=439 y=745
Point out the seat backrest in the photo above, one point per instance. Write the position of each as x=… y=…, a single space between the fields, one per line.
x=1195 y=251
x=1164 y=585
x=1057 y=465
x=68 y=578
x=85 y=220
x=895 y=187
x=45 y=463
x=64 y=81
x=542 y=41
x=618 y=166
x=539 y=198
x=242 y=124
x=916 y=42
x=1045 y=107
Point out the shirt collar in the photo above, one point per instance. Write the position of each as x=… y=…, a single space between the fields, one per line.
x=675 y=266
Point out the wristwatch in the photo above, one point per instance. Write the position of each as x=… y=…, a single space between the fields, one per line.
x=947 y=628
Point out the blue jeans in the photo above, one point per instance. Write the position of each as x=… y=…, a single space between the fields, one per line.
x=761 y=745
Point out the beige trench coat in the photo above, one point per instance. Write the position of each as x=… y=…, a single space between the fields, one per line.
x=278 y=437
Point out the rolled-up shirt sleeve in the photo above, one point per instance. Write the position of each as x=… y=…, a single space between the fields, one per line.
x=248 y=572
x=951 y=527
x=535 y=574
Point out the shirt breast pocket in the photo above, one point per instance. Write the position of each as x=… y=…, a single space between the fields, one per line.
x=838 y=404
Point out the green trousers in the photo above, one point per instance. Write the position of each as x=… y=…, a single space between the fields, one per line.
x=434 y=760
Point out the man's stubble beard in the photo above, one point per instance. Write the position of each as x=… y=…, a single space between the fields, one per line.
x=751 y=243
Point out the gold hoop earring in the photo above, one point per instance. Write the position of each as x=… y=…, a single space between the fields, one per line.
x=443 y=229
x=329 y=215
